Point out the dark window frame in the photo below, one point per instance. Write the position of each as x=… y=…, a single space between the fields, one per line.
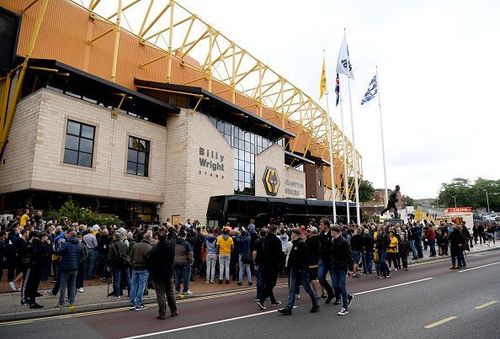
x=137 y=163
x=80 y=137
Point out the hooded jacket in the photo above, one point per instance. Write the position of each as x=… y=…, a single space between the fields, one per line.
x=71 y=253
x=183 y=252
x=211 y=244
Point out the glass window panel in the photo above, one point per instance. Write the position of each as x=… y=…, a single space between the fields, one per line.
x=241 y=164
x=85 y=159
x=241 y=186
x=235 y=163
x=86 y=145
x=70 y=157
x=241 y=176
x=241 y=154
x=248 y=177
x=235 y=153
x=228 y=138
x=141 y=170
x=144 y=145
x=87 y=131
x=131 y=167
x=252 y=158
x=241 y=144
x=247 y=156
x=247 y=136
x=148 y=209
x=73 y=128
x=141 y=158
x=72 y=142
x=227 y=129
x=132 y=155
x=247 y=166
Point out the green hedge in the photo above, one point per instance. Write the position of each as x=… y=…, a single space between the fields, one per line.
x=81 y=215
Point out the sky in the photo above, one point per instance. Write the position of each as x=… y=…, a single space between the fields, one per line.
x=439 y=76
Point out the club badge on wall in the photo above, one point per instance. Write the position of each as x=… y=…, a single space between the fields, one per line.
x=271 y=181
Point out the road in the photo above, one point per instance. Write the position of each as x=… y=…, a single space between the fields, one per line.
x=428 y=301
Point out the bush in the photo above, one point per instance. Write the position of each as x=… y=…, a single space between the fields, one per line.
x=81 y=215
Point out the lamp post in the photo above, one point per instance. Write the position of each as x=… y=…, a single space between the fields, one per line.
x=455 y=200
x=487 y=201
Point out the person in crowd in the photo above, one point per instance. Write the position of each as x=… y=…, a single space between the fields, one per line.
x=244 y=257
x=71 y=255
x=430 y=234
x=298 y=274
x=119 y=263
x=382 y=244
x=368 y=246
x=284 y=241
x=82 y=265
x=18 y=242
x=490 y=233
x=3 y=240
x=393 y=250
x=357 y=249
x=90 y=241
x=161 y=267
x=270 y=261
x=35 y=255
x=210 y=244
x=404 y=251
x=183 y=261
x=24 y=218
x=139 y=258
x=417 y=231
x=312 y=244
x=456 y=244
x=251 y=227
x=225 y=245
x=257 y=256
x=342 y=265
x=325 y=260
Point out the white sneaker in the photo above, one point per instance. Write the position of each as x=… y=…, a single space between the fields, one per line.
x=343 y=312
x=187 y=293
x=117 y=298
x=12 y=286
x=80 y=290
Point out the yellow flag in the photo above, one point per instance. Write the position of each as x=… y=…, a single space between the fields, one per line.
x=322 y=83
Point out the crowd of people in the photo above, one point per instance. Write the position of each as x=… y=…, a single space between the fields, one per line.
x=168 y=257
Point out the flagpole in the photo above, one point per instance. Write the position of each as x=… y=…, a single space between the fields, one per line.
x=382 y=136
x=334 y=207
x=355 y=155
x=346 y=181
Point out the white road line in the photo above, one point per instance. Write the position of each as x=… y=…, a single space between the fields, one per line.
x=478 y=267
x=260 y=313
x=392 y=286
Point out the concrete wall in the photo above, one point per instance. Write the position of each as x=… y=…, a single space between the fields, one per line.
x=292 y=181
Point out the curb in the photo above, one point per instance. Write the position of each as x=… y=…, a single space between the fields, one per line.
x=51 y=312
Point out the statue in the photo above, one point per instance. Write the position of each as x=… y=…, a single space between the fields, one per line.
x=391 y=204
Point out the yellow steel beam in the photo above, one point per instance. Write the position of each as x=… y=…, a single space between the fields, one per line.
x=29 y=6
x=151 y=24
x=146 y=16
x=116 y=46
x=123 y=9
x=170 y=38
x=90 y=42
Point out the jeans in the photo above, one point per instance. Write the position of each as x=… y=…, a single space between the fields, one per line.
x=67 y=278
x=323 y=269
x=356 y=257
x=432 y=244
x=224 y=261
x=182 y=274
x=246 y=268
x=418 y=246
x=413 y=248
x=137 y=285
x=295 y=279
x=211 y=263
x=91 y=263
x=118 y=276
x=339 y=283
x=367 y=262
x=382 y=257
x=461 y=258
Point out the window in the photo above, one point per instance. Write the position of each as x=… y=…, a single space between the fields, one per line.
x=79 y=146
x=138 y=157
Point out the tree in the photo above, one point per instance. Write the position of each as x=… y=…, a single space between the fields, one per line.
x=461 y=192
x=366 y=191
x=408 y=201
x=81 y=215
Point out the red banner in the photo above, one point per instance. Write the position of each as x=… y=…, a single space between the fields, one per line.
x=458 y=210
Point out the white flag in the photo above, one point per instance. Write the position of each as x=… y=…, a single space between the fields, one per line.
x=344 y=63
x=371 y=91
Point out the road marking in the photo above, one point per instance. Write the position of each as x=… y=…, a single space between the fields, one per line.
x=440 y=322
x=201 y=325
x=258 y=314
x=392 y=286
x=478 y=267
x=486 y=305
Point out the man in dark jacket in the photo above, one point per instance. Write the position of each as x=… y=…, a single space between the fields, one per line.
x=34 y=271
x=71 y=254
x=325 y=260
x=456 y=246
x=140 y=274
x=299 y=274
x=342 y=265
x=382 y=244
x=271 y=256
x=368 y=245
x=119 y=262
x=161 y=268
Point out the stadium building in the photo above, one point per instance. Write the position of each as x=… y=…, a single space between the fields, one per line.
x=142 y=110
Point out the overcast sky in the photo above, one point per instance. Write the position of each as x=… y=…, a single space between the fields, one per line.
x=439 y=74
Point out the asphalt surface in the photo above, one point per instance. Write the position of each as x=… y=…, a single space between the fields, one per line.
x=382 y=308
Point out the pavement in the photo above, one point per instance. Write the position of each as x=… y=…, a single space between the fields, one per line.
x=428 y=301
x=94 y=298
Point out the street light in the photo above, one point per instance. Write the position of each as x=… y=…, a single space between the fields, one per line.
x=487 y=201
x=455 y=200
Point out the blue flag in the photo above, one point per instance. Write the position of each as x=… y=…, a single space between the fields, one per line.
x=371 y=92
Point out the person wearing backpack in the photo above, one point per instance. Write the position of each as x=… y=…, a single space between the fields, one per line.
x=82 y=265
x=244 y=257
x=119 y=263
x=210 y=245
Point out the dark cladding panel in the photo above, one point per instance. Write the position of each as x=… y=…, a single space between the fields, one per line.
x=314 y=181
x=9 y=36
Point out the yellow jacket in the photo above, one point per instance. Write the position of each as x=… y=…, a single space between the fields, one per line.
x=393 y=245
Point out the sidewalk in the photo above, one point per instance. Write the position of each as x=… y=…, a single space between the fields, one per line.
x=95 y=295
